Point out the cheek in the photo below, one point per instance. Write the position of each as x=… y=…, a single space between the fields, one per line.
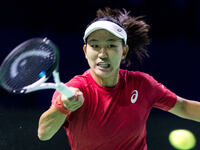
x=116 y=59
x=91 y=57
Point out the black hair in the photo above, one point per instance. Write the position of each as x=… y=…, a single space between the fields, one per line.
x=137 y=32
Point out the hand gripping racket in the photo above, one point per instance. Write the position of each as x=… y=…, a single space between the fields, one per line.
x=27 y=68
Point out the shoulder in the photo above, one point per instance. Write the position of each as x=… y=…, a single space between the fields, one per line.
x=84 y=76
x=79 y=81
x=137 y=75
x=137 y=78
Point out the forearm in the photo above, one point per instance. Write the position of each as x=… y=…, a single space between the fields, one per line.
x=51 y=120
x=192 y=110
x=49 y=123
x=187 y=109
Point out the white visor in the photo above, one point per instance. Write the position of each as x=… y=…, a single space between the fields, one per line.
x=109 y=26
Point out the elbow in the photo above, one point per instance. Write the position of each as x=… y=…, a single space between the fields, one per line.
x=44 y=136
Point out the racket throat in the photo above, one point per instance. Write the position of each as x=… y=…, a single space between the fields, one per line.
x=61 y=87
x=56 y=77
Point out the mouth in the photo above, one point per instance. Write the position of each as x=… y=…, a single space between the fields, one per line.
x=103 y=65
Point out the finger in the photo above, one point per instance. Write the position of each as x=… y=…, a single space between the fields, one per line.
x=74 y=89
x=73 y=105
x=78 y=93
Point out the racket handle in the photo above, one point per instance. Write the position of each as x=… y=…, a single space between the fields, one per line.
x=64 y=90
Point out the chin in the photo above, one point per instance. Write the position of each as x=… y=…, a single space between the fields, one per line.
x=104 y=74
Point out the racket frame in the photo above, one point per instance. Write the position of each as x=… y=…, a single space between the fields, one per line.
x=41 y=84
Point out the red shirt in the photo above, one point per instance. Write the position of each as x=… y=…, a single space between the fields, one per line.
x=115 y=118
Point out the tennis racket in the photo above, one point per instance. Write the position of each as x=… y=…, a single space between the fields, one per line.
x=28 y=66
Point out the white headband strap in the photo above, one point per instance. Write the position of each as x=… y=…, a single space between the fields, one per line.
x=109 y=26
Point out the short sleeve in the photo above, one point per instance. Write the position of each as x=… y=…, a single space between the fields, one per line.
x=160 y=96
x=167 y=99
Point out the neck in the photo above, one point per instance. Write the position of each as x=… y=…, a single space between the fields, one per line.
x=106 y=82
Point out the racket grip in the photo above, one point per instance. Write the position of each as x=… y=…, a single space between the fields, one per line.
x=64 y=90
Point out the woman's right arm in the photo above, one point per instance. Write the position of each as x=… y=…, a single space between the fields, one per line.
x=49 y=123
x=52 y=119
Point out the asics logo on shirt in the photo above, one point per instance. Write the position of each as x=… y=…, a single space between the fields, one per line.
x=134 y=96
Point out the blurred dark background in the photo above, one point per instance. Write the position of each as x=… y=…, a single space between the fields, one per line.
x=174 y=61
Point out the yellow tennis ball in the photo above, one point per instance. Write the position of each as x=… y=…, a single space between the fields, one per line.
x=182 y=139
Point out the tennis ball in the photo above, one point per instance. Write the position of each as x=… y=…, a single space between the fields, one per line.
x=182 y=139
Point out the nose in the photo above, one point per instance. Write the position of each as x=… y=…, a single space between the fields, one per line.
x=103 y=54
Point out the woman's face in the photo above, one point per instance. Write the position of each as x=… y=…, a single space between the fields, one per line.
x=104 y=52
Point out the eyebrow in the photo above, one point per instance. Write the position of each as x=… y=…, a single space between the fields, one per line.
x=112 y=40
x=92 y=40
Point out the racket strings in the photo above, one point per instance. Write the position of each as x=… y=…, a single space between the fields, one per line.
x=29 y=65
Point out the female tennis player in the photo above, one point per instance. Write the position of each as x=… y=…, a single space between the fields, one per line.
x=111 y=105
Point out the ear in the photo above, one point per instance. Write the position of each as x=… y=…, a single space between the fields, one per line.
x=85 y=50
x=125 y=51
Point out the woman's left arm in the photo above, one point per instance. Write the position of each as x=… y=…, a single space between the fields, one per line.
x=187 y=109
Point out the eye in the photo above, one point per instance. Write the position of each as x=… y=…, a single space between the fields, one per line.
x=94 y=46
x=111 y=46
